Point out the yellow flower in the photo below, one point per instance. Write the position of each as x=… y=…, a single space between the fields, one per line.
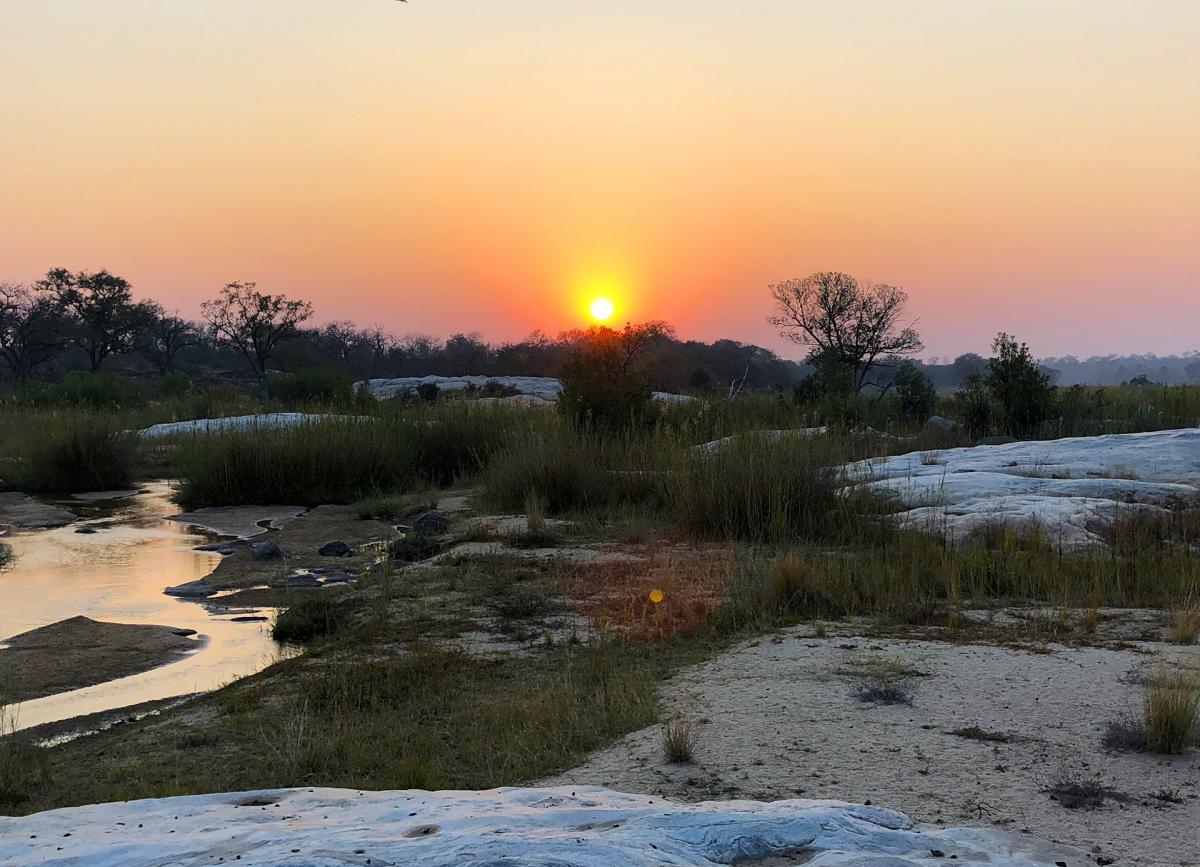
x=656 y=596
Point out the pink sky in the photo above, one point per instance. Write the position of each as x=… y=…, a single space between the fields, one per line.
x=445 y=166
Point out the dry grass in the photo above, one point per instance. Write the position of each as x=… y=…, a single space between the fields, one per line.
x=1183 y=625
x=1171 y=711
x=673 y=593
x=679 y=742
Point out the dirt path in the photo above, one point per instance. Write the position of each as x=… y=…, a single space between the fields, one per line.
x=779 y=718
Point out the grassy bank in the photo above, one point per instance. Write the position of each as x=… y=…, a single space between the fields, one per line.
x=430 y=718
x=340 y=460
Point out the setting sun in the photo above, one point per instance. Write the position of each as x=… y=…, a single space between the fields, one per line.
x=601 y=309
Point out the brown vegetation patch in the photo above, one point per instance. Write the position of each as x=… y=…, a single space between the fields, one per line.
x=671 y=593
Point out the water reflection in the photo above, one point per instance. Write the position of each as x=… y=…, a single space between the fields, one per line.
x=118 y=574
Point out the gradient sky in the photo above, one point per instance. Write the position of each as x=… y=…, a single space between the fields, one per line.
x=458 y=165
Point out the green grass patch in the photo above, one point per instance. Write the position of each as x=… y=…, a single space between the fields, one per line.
x=307 y=619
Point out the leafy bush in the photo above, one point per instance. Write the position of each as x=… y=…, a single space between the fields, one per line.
x=831 y=379
x=1022 y=389
x=308 y=385
x=916 y=393
x=603 y=382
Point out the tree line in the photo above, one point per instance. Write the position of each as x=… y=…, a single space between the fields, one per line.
x=92 y=321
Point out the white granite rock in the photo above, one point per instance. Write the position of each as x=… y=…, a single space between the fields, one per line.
x=556 y=827
x=1071 y=486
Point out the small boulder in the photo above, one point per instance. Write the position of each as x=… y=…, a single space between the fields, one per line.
x=431 y=523
x=86 y=530
x=336 y=548
x=267 y=550
x=198 y=589
x=937 y=422
x=413 y=548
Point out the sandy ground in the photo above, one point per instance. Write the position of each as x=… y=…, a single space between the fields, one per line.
x=778 y=718
x=80 y=652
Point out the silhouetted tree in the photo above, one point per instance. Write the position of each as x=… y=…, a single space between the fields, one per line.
x=966 y=365
x=102 y=304
x=858 y=323
x=168 y=335
x=253 y=323
x=341 y=339
x=32 y=330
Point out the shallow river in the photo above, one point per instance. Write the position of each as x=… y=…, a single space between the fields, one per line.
x=118 y=575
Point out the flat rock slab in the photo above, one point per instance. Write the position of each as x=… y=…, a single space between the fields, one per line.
x=565 y=827
x=198 y=589
x=79 y=652
x=241 y=521
x=1072 y=487
x=23 y=512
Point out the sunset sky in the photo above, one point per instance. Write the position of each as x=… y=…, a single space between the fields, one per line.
x=475 y=165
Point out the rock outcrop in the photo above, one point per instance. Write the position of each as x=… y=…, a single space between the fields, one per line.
x=563 y=827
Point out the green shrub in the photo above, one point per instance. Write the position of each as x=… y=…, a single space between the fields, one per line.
x=1022 y=389
x=307 y=619
x=915 y=392
x=324 y=384
x=603 y=381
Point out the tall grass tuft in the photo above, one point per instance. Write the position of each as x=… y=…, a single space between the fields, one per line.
x=679 y=742
x=82 y=454
x=1171 y=711
x=22 y=764
x=573 y=471
x=338 y=460
x=764 y=490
